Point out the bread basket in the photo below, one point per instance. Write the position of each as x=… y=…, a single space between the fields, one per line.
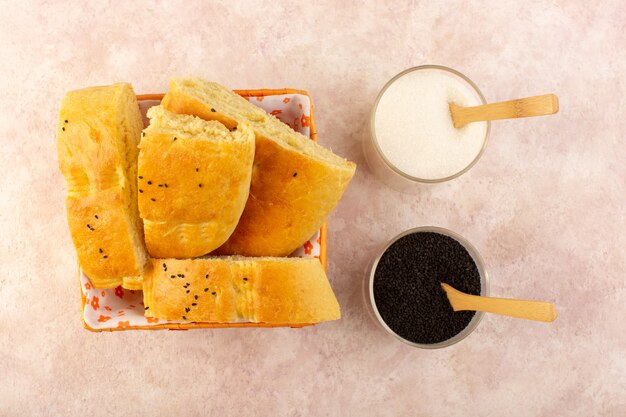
x=119 y=309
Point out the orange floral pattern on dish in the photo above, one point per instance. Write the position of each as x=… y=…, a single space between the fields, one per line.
x=308 y=248
x=120 y=310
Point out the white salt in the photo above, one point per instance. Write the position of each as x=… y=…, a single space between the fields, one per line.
x=414 y=129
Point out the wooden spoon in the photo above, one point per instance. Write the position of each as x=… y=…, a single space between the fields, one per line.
x=531 y=310
x=513 y=109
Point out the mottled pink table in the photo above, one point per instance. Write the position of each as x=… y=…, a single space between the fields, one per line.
x=545 y=206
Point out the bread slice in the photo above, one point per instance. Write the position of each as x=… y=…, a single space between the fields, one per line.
x=277 y=291
x=295 y=182
x=194 y=179
x=98 y=132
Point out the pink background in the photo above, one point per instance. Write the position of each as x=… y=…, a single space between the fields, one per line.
x=545 y=206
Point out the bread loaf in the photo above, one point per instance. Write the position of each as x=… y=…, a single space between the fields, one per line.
x=194 y=178
x=277 y=291
x=295 y=182
x=98 y=132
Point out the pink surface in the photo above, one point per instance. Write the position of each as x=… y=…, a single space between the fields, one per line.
x=545 y=206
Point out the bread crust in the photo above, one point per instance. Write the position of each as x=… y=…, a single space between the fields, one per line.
x=192 y=189
x=98 y=132
x=236 y=290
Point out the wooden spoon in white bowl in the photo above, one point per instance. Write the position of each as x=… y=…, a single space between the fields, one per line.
x=530 y=310
x=523 y=107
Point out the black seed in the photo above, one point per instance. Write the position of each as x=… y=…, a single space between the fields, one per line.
x=200 y=185
x=182 y=275
x=295 y=174
x=65 y=120
x=105 y=256
x=165 y=185
x=100 y=250
x=407 y=286
x=206 y=289
x=149 y=182
x=143 y=134
x=194 y=304
x=146 y=307
x=172 y=276
x=195 y=296
x=188 y=291
x=213 y=110
x=175 y=138
x=197 y=169
x=206 y=276
x=160 y=185
x=245 y=279
x=63 y=129
x=152 y=199
x=184 y=318
x=214 y=293
x=140 y=177
x=96 y=216
x=235 y=128
x=187 y=284
x=179 y=275
x=140 y=190
x=88 y=227
x=187 y=309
